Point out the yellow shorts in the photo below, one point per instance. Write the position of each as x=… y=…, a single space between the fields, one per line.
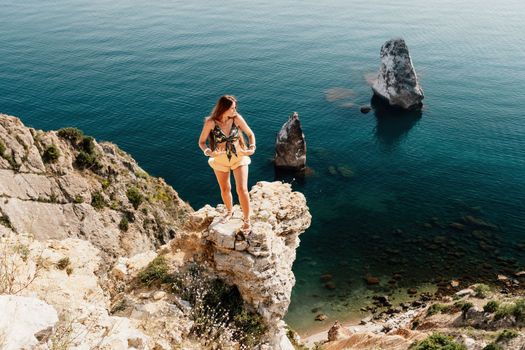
x=221 y=162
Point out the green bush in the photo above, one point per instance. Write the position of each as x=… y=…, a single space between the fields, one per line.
x=506 y=335
x=97 y=200
x=519 y=310
x=2 y=149
x=217 y=303
x=73 y=135
x=516 y=309
x=135 y=197
x=482 y=290
x=51 y=154
x=86 y=160
x=464 y=306
x=157 y=270
x=78 y=199
x=88 y=144
x=438 y=341
x=491 y=306
x=492 y=346
x=124 y=224
x=434 y=309
x=4 y=220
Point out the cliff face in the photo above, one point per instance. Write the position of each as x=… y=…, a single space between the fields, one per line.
x=71 y=186
x=99 y=249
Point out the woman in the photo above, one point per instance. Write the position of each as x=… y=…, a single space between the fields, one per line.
x=228 y=151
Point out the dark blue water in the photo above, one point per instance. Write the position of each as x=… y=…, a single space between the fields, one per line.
x=144 y=75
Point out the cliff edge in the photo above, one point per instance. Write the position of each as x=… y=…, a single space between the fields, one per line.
x=113 y=258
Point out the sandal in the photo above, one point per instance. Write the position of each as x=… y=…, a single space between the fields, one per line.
x=226 y=217
x=246 y=227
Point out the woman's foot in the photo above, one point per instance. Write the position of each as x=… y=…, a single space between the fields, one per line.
x=226 y=217
x=246 y=226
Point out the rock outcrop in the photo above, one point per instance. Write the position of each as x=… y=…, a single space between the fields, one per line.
x=397 y=81
x=116 y=205
x=65 y=244
x=260 y=265
x=290 y=145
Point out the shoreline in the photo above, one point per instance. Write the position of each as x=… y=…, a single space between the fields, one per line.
x=374 y=320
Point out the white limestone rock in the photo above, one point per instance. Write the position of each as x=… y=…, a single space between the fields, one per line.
x=397 y=81
x=18 y=323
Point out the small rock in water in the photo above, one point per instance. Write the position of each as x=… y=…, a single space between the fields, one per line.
x=332 y=170
x=371 y=280
x=330 y=285
x=326 y=277
x=502 y=278
x=345 y=171
x=321 y=317
x=454 y=283
x=457 y=226
x=365 y=109
x=469 y=219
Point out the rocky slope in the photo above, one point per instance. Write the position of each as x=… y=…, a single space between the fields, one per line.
x=71 y=186
x=112 y=258
x=475 y=318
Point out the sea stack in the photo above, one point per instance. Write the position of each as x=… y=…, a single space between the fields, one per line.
x=397 y=81
x=290 y=145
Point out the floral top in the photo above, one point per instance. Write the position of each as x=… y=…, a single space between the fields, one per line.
x=219 y=137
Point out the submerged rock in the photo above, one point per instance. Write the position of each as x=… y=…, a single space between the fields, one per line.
x=397 y=81
x=290 y=145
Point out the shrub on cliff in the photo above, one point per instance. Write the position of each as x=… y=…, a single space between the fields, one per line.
x=87 y=157
x=73 y=135
x=482 y=290
x=438 y=341
x=507 y=335
x=491 y=306
x=219 y=313
x=87 y=161
x=135 y=197
x=2 y=149
x=124 y=224
x=516 y=309
x=51 y=154
x=157 y=270
x=97 y=200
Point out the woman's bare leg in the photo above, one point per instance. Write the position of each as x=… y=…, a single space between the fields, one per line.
x=241 y=184
x=223 y=178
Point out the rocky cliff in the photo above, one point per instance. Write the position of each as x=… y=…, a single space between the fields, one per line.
x=111 y=257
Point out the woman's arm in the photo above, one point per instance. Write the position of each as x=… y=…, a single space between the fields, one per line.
x=246 y=129
x=208 y=125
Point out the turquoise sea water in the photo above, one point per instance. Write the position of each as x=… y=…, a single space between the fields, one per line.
x=144 y=75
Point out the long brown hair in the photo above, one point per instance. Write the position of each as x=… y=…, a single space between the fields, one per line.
x=223 y=104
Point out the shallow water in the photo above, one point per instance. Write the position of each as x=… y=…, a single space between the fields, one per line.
x=144 y=76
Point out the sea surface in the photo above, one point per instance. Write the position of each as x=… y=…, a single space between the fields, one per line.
x=383 y=187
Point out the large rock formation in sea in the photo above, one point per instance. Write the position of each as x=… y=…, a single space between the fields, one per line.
x=290 y=145
x=397 y=81
x=109 y=254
